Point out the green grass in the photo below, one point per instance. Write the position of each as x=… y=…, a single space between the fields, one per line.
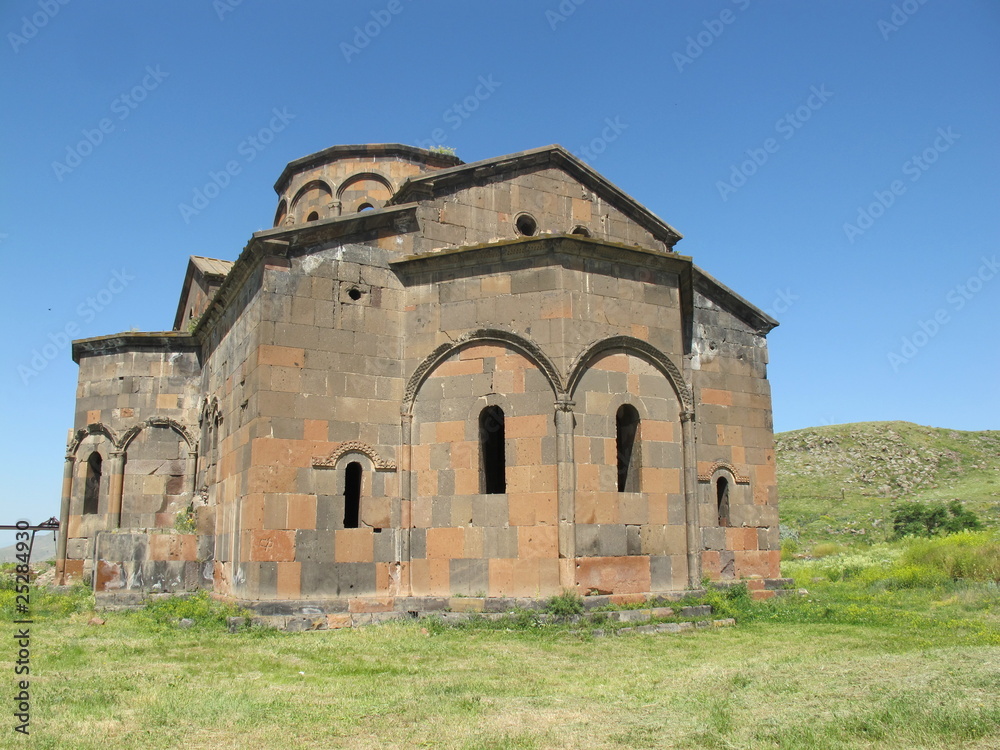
x=837 y=483
x=873 y=657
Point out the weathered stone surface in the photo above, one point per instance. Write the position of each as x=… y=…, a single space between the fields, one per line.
x=315 y=427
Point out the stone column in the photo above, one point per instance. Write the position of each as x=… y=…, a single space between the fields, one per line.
x=405 y=504
x=566 y=472
x=691 y=500
x=191 y=469
x=115 y=484
x=67 y=493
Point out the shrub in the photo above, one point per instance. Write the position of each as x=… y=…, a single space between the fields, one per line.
x=913 y=518
x=565 y=604
x=826 y=549
x=200 y=607
x=789 y=548
x=968 y=555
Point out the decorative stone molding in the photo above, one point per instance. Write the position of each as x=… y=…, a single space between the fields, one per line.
x=97 y=428
x=353 y=446
x=523 y=346
x=173 y=424
x=632 y=345
x=739 y=478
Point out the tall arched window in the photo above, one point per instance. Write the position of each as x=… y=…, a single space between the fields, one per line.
x=352 y=495
x=722 y=500
x=627 y=444
x=92 y=487
x=493 y=477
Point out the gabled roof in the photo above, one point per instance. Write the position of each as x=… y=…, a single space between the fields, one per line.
x=556 y=156
x=212 y=270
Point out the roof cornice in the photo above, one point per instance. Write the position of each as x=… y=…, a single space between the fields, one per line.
x=422 y=186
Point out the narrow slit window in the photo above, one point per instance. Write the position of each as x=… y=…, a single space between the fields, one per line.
x=92 y=487
x=352 y=495
x=493 y=459
x=722 y=499
x=627 y=444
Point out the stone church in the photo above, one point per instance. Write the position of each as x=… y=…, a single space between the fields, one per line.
x=430 y=379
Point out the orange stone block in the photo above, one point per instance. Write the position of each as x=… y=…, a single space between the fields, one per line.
x=371 y=604
x=451 y=432
x=715 y=396
x=283 y=356
x=532 y=425
x=420 y=509
x=483 y=351
x=430 y=577
x=588 y=478
x=427 y=483
x=354 y=545
x=586 y=507
x=735 y=539
x=316 y=429
x=466 y=481
x=271 y=478
x=462 y=454
x=521 y=509
x=711 y=564
x=93 y=416
x=543 y=478
x=658 y=431
x=606 y=508
x=512 y=362
x=446 y=543
x=501 y=573
x=338 y=621
x=535 y=542
x=658 y=508
x=612 y=363
x=301 y=511
x=619 y=575
x=518 y=479
x=272 y=545
x=528 y=451
x=459 y=367
x=525 y=577
x=546 y=508
x=289 y=580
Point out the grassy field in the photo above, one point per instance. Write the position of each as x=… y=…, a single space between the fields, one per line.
x=888 y=650
x=837 y=483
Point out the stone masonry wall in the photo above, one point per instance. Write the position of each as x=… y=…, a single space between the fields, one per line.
x=734 y=428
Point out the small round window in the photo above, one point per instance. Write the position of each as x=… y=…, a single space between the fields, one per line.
x=526 y=225
x=581 y=231
x=312 y=217
x=354 y=294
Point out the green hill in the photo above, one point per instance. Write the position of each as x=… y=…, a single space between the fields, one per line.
x=837 y=483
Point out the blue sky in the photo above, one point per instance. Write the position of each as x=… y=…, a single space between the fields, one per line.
x=836 y=163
